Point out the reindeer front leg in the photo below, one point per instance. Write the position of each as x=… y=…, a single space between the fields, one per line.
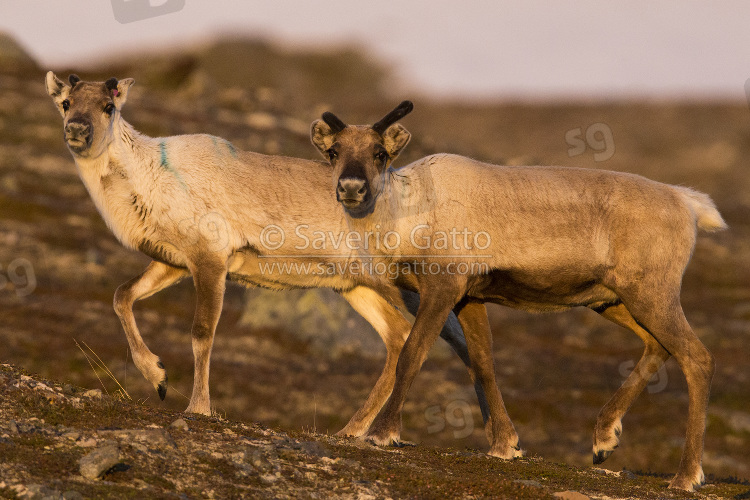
x=209 y=277
x=156 y=277
x=393 y=328
x=436 y=303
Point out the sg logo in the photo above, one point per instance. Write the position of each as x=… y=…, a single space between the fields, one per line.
x=598 y=137
x=130 y=11
x=18 y=276
x=457 y=414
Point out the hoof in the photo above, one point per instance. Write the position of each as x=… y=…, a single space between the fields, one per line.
x=385 y=442
x=601 y=455
x=604 y=446
x=383 y=432
x=509 y=453
x=685 y=483
x=351 y=431
x=403 y=444
x=198 y=410
x=383 y=439
x=162 y=389
x=377 y=441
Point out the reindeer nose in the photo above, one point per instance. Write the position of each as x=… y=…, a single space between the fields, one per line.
x=78 y=134
x=78 y=129
x=352 y=189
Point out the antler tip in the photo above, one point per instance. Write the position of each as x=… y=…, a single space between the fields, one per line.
x=398 y=112
x=333 y=121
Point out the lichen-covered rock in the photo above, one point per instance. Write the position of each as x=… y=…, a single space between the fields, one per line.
x=320 y=317
x=99 y=461
x=179 y=424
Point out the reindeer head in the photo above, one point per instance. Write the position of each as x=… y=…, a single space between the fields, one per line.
x=88 y=109
x=360 y=155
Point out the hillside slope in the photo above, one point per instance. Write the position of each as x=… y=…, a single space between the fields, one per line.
x=61 y=441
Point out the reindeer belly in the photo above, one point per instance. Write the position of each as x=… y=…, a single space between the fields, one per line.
x=163 y=252
x=251 y=269
x=555 y=290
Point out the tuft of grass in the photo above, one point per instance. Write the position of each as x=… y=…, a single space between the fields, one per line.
x=95 y=361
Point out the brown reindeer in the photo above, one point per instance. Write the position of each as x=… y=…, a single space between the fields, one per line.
x=198 y=207
x=532 y=238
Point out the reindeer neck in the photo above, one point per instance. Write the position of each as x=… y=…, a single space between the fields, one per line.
x=386 y=203
x=117 y=176
x=405 y=202
x=124 y=154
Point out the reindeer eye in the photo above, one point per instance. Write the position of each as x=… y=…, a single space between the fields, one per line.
x=332 y=154
x=109 y=109
x=66 y=105
x=381 y=156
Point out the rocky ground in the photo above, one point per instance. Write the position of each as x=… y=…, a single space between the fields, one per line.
x=307 y=366
x=62 y=441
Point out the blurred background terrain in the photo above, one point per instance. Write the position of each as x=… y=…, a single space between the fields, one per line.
x=303 y=360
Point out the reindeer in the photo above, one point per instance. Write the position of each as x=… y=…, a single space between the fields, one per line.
x=550 y=238
x=199 y=207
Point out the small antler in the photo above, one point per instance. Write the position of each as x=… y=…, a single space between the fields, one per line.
x=73 y=79
x=399 y=112
x=111 y=85
x=333 y=122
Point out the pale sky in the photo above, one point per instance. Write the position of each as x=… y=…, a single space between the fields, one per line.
x=470 y=49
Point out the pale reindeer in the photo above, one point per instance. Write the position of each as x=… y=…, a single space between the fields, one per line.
x=549 y=239
x=198 y=207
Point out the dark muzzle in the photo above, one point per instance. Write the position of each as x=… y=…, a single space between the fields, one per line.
x=78 y=134
x=352 y=191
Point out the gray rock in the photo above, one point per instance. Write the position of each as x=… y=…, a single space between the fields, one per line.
x=41 y=492
x=84 y=442
x=269 y=478
x=179 y=424
x=99 y=461
x=93 y=393
x=626 y=474
x=259 y=459
x=72 y=435
x=152 y=438
x=320 y=317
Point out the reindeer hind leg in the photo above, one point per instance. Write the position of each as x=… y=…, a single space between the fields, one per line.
x=609 y=422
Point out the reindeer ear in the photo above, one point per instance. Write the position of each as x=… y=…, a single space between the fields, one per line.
x=395 y=138
x=119 y=90
x=322 y=136
x=57 y=90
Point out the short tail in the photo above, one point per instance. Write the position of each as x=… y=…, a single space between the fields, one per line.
x=707 y=216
